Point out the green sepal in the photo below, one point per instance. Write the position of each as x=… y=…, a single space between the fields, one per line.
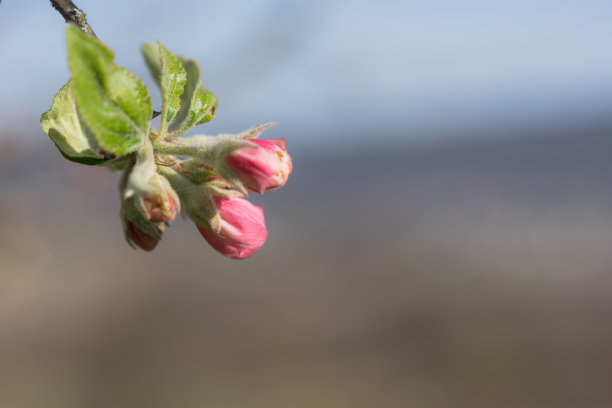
x=65 y=128
x=197 y=171
x=195 y=198
x=114 y=104
x=130 y=213
x=237 y=141
x=217 y=152
x=209 y=154
x=255 y=131
x=167 y=187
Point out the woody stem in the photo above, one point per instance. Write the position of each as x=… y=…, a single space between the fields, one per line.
x=73 y=14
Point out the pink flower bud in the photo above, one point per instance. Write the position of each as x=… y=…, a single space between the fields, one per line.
x=140 y=238
x=263 y=167
x=159 y=210
x=242 y=228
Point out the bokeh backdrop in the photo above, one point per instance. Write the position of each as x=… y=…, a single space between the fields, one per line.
x=444 y=240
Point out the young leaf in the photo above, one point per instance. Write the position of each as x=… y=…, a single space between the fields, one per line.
x=150 y=53
x=64 y=127
x=198 y=104
x=202 y=109
x=194 y=76
x=173 y=79
x=131 y=96
x=114 y=104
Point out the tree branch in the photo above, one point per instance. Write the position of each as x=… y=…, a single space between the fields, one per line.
x=72 y=14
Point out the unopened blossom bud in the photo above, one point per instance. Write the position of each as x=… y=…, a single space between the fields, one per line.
x=159 y=208
x=140 y=238
x=241 y=230
x=265 y=166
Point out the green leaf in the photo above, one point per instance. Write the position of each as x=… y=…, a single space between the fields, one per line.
x=194 y=76
x=173 y=78
x=114 y=103
x=65 y=128
x=203 y=108
x=61 y=140
x=130 y=95
x=197 y=104
x=150 y=52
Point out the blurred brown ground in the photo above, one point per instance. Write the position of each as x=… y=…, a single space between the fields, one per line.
x=473 y=274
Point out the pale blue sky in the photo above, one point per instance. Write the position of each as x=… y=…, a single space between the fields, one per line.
x=392 y=70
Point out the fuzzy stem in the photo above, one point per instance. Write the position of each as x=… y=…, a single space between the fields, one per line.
x=178 y=133
x=72 y=14
x=178 y=149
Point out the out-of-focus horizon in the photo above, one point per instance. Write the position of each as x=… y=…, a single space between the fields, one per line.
x=333 y=72
x=444 y=239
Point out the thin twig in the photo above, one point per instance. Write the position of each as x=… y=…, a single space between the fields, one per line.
x=72 y=14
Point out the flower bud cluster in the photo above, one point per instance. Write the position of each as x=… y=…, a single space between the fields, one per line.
x=210 y=178
x=103 y=116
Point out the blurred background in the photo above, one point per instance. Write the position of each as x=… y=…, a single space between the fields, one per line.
x=444 y=240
